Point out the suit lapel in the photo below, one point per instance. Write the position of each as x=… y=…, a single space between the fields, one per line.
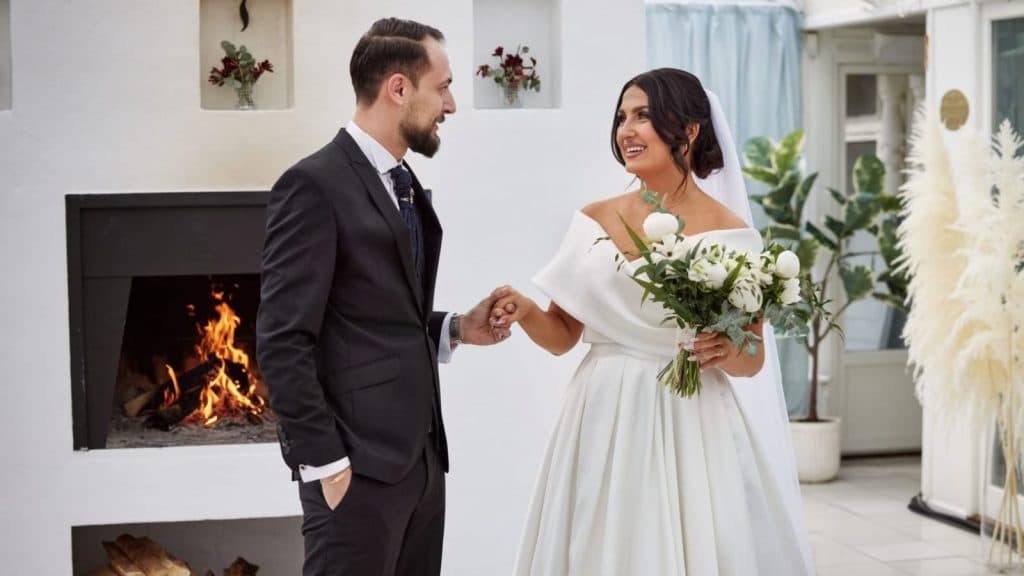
x=379 y=195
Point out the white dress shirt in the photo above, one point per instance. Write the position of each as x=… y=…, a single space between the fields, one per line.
x=383 y=162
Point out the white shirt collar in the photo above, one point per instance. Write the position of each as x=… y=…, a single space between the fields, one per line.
x=378 y=155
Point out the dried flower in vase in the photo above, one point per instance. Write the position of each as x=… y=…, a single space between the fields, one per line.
x=962 y=239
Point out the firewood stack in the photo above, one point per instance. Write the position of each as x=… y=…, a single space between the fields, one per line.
x=130 y=556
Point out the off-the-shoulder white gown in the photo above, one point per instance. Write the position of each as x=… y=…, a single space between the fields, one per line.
x=638 y=481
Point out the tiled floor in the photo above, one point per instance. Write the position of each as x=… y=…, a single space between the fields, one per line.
x=859 y=525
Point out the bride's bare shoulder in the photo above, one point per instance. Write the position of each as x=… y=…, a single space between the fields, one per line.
x=721 y=218
x=601 y=209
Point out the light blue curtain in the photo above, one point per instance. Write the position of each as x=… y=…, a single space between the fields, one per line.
x=750 y=56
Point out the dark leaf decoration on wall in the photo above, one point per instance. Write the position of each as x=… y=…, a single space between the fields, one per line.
x=244 y=13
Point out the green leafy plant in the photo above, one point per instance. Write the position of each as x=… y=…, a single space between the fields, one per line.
x=868 y=208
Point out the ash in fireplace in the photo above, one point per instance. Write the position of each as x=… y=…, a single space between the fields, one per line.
x=128 y=432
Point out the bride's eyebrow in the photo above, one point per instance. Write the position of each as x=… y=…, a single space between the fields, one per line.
x=634 y=110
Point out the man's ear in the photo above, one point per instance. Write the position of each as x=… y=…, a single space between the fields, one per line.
x=396 y=88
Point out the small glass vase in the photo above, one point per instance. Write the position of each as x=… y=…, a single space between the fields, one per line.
x=512 y=96
x=244 y=93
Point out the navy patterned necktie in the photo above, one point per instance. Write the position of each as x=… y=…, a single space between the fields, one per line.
x=402 y=181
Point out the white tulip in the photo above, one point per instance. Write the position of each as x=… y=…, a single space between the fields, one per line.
x=699 y=271
x=787 y=265
x=790 y=291
x=716 y=275
x=746 y=296
x=660 y=224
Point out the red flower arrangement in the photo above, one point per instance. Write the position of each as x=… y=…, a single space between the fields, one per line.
x=238 y=67
x=512 y=71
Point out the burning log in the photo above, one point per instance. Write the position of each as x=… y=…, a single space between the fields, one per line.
x=188 y=388
x=225 y=387
x=240 y=567
x=137 y=404
x=130 y=556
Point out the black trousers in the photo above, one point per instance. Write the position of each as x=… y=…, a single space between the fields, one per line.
x=377 y=529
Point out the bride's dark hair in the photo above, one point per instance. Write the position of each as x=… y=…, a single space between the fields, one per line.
x=676 y=99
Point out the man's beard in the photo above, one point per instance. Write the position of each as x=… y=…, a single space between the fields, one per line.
x=420 y=140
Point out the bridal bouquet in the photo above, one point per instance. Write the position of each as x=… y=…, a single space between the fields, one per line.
x=707 y=287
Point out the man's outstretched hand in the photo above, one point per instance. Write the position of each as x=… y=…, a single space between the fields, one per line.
x=476 y=325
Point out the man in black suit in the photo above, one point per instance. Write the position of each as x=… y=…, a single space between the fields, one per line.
x=348 y=341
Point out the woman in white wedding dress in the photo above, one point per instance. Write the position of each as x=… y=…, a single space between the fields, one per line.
x=638 y=481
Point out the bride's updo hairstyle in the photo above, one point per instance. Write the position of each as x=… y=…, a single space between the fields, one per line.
x=676 y=99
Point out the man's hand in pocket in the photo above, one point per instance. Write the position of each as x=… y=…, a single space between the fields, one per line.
x=335 y=487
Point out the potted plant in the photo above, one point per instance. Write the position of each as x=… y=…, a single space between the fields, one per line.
x=513 y=74
x=239 y=69
x=780 y=166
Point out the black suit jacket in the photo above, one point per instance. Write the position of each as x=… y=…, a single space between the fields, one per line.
x=346 y=337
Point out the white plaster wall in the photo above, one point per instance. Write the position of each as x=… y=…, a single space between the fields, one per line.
x=107 y=100
x=5 y=54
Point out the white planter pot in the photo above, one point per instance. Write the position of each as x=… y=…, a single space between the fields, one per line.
x=816 y=445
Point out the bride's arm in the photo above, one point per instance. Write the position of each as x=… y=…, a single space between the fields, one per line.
x=553 y=329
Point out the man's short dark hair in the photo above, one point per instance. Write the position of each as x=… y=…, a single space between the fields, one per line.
x=390 y=46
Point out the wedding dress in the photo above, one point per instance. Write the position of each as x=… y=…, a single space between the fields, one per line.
x=638 y=481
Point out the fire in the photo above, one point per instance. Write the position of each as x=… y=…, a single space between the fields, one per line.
x=230 y=389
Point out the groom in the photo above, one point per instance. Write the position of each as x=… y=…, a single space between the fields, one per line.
x=347 y=340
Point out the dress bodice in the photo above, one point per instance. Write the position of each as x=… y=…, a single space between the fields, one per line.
x=585 y=280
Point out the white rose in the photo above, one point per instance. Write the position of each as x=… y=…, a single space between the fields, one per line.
x=716 y=275
x=787 y=265
x=746 y=296
x=790 y=292
x=660 y=224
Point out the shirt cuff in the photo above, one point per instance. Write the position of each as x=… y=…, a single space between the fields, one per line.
x=313 y=473
x=444 y=349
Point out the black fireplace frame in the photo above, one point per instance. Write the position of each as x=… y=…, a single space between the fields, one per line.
x=114 y=237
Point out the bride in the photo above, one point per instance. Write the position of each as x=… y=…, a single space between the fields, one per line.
x=638 y=481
